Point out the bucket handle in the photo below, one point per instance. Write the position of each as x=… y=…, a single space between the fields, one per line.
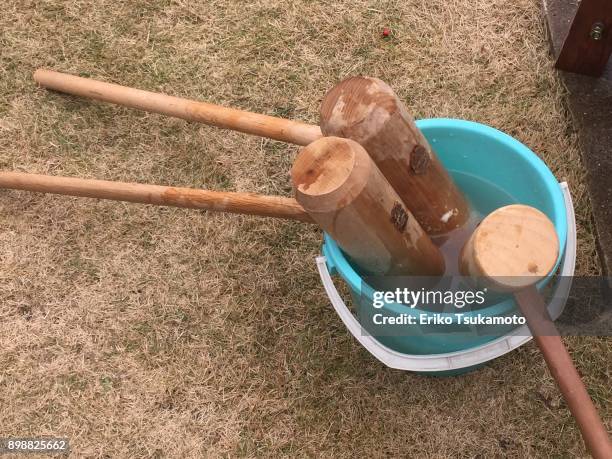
x=459 y=359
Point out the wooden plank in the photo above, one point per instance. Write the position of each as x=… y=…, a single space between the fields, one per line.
x=588 y=44
x=590 y=102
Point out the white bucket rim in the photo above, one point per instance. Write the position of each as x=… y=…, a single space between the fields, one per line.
x=466 y=358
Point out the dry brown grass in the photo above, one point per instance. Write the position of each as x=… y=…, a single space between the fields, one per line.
x=139 y=331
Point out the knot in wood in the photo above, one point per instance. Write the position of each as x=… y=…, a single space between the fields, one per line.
x=399 y=217
x=419 y=159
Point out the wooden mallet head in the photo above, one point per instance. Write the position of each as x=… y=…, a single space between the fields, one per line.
x=512 y=248
x=368 y=111
x=344 y=192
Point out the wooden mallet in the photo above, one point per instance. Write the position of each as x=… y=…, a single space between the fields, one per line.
x=344 y=192
x=368 y=111
x=511 y=250
x=360 y=108
x=336 y=181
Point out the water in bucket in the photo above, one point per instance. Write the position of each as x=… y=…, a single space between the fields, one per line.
x=493 y=170
x=484 y=197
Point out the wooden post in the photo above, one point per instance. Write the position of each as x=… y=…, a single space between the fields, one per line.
x=219 y=201
x=511 y=250
x=344 y=192
x=367 y=111
x=588 y=44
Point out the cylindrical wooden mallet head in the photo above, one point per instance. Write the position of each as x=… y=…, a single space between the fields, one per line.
x=344 y=192
x=512 y=248
x=368 y=111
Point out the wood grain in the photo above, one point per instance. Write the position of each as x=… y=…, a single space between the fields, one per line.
x=513 y=247
x=201 y=112
x=581 y=53
x=218 y=201
x=368 y=111
x=344 y=192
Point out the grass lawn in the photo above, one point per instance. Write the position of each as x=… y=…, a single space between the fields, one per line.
x=140 y=331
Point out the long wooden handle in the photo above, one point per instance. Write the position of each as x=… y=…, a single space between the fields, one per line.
x=219 y=201
x=214 y=115
x=562 y=369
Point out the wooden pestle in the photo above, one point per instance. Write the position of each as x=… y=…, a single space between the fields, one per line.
x=511 y=250
x=344 y=192
x=368 y=111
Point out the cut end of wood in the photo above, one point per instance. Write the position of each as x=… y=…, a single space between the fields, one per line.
x=513 y=247
x=323 y=166
x=357 y=107
x=45 y=77
x=329 y=173
x=39 y=75
x=339 y=186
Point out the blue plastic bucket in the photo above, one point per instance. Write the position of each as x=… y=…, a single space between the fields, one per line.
x=493 y=170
